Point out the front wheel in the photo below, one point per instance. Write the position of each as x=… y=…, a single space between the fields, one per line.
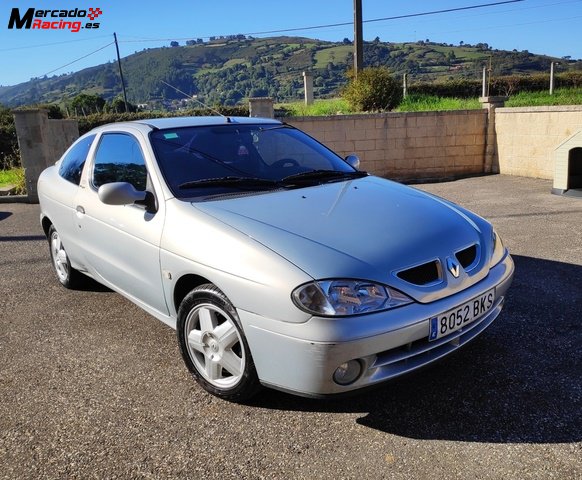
x=67 y=275
x=213 y=345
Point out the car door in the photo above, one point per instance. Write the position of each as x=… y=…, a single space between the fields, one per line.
x=60 y=203
x=121 y=242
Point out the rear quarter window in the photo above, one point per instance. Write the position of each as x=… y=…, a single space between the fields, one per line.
x=74 y=161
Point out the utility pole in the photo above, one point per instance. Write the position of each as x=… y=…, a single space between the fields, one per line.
x=405 y=85
x=489 y=70
x=358 y=38
x=120 y=73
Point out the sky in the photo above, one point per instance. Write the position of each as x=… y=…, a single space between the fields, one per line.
x=549 y=27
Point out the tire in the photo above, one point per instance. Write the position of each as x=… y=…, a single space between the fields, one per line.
x=213 y=345
x=67 y=275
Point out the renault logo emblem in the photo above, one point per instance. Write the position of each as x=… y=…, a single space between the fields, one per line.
x=453 y=267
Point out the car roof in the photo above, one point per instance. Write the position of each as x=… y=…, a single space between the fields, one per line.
x=177 y=122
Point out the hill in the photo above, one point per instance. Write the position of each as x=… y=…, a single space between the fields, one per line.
x=228 y=70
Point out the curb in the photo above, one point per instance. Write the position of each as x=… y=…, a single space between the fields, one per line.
x=14 y=199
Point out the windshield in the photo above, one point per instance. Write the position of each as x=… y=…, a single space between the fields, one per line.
x=211 y=160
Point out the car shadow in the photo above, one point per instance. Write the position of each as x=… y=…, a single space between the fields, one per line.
x=4 y=215
x=23 y=238
x=519 y=382
x=88 y=284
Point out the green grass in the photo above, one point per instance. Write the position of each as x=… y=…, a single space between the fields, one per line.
x=420 y=103
x=14 y=177
x=333 y=106
x=425 y=103
x=561 y=96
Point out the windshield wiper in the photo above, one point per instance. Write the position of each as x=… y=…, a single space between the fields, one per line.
x=241 y=182
x=321 y=175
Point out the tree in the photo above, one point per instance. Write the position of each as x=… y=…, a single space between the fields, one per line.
x=84 y=104
x=117 y=105
x=174 y=44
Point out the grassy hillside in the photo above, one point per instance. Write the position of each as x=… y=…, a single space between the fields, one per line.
x=226 y=71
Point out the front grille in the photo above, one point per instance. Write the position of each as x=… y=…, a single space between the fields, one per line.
x=421 y=274
x=467 y=256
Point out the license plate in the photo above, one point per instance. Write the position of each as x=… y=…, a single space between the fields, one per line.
x=455 y=319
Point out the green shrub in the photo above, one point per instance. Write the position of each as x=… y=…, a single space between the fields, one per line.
x=375 y=89
x=507 y=85
x=8 y=142
x=15 y=178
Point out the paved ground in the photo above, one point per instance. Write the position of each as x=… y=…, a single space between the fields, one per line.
x=91 y=387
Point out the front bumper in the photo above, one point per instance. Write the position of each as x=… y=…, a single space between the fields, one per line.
x=302 y=358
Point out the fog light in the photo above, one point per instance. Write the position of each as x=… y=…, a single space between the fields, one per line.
x=347 y=372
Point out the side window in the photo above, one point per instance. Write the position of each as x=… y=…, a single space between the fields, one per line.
x=73 y=163
x=119 y=159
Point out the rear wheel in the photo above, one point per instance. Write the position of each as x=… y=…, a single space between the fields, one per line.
x=67 y=275
x=213 y=345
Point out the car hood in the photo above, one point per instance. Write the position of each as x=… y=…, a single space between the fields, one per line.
x=369 y=228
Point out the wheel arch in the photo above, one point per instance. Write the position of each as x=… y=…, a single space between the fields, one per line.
x=46 y=224
x=185 y=285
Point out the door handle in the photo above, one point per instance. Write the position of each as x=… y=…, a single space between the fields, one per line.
x=80 y=209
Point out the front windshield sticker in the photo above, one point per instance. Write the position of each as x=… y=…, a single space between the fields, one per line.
x=169 y=136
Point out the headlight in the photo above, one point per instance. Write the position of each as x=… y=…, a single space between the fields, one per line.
x=497 y=249
x=347 y=297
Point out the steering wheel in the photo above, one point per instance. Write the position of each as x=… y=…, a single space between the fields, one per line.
x=285 y=163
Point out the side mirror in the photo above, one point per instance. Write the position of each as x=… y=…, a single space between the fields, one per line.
x=120 y=193
x=353 y=161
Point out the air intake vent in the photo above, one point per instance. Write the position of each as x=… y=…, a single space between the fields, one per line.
x=422 y=274
x=467 y=256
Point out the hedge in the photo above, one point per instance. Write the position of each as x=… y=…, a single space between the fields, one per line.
x=91 y=121
x=505 y=86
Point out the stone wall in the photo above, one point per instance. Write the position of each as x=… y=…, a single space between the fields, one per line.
x=527 y=138
x=403 y=146
x=406 y=146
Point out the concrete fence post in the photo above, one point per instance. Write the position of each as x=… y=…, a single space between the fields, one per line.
x=261 y=107
x=308 y=87
x=41 y=142
x=491 y=103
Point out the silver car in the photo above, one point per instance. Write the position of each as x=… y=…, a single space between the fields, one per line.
x=277 y=262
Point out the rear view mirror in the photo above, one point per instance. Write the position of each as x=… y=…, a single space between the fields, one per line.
x=120 y=193
x=353 y=161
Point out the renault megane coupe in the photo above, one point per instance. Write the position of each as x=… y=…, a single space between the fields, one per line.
x=278 y=263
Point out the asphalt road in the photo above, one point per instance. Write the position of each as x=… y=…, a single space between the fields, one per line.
x=92 y=387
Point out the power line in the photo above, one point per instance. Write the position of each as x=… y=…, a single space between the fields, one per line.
x=80 y=58
x=50 y=44
x=343 y=24
x=491 y=27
